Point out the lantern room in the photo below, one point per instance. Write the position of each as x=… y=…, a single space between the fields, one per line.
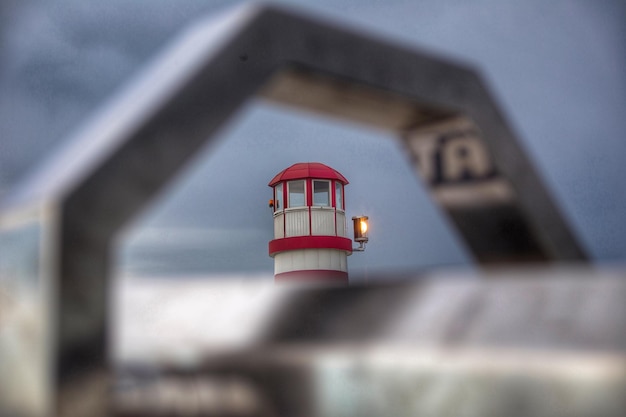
x=310 y=233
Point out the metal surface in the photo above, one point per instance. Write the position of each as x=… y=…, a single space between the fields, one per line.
x=534 y=342
x=122 y=159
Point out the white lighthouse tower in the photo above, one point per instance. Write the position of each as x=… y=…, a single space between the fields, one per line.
x=310 y=242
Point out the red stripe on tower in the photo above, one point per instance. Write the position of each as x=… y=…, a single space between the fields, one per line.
x=327 y=276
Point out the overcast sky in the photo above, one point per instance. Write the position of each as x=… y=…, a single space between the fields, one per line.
x=558 y=68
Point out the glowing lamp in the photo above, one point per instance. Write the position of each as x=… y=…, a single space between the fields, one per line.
x=360 y=229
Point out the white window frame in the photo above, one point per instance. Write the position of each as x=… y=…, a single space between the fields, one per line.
x=339 y=204
x=330 y=197
x=289 y=193
x=278 y=201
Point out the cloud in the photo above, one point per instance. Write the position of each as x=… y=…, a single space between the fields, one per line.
x=556 y=68
x=174 y=251
x=179 y=238
x=60 y=60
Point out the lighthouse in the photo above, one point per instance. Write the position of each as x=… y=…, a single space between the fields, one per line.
x=310 y=234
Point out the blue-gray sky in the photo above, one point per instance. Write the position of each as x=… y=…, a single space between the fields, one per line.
x=558 y=68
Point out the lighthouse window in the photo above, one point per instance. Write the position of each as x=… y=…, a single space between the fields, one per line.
x=296 y=193
x=338 y=196
x=278 y=197
x=321 y=193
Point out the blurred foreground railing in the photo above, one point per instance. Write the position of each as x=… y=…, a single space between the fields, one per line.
x=523 y=343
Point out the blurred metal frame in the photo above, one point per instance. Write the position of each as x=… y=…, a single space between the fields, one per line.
x=125 y=156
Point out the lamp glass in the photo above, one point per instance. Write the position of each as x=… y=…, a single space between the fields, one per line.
x=361 y=227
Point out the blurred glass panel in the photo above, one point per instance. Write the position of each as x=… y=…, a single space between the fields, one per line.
x=23 y=347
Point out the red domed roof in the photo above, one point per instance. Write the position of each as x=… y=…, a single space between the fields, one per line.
x=308 y=170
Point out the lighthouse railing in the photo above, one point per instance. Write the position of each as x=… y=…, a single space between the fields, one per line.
x=279 y=225
x=297 y=222
x=340 y=223
x=323 y=221
x=309 y=220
